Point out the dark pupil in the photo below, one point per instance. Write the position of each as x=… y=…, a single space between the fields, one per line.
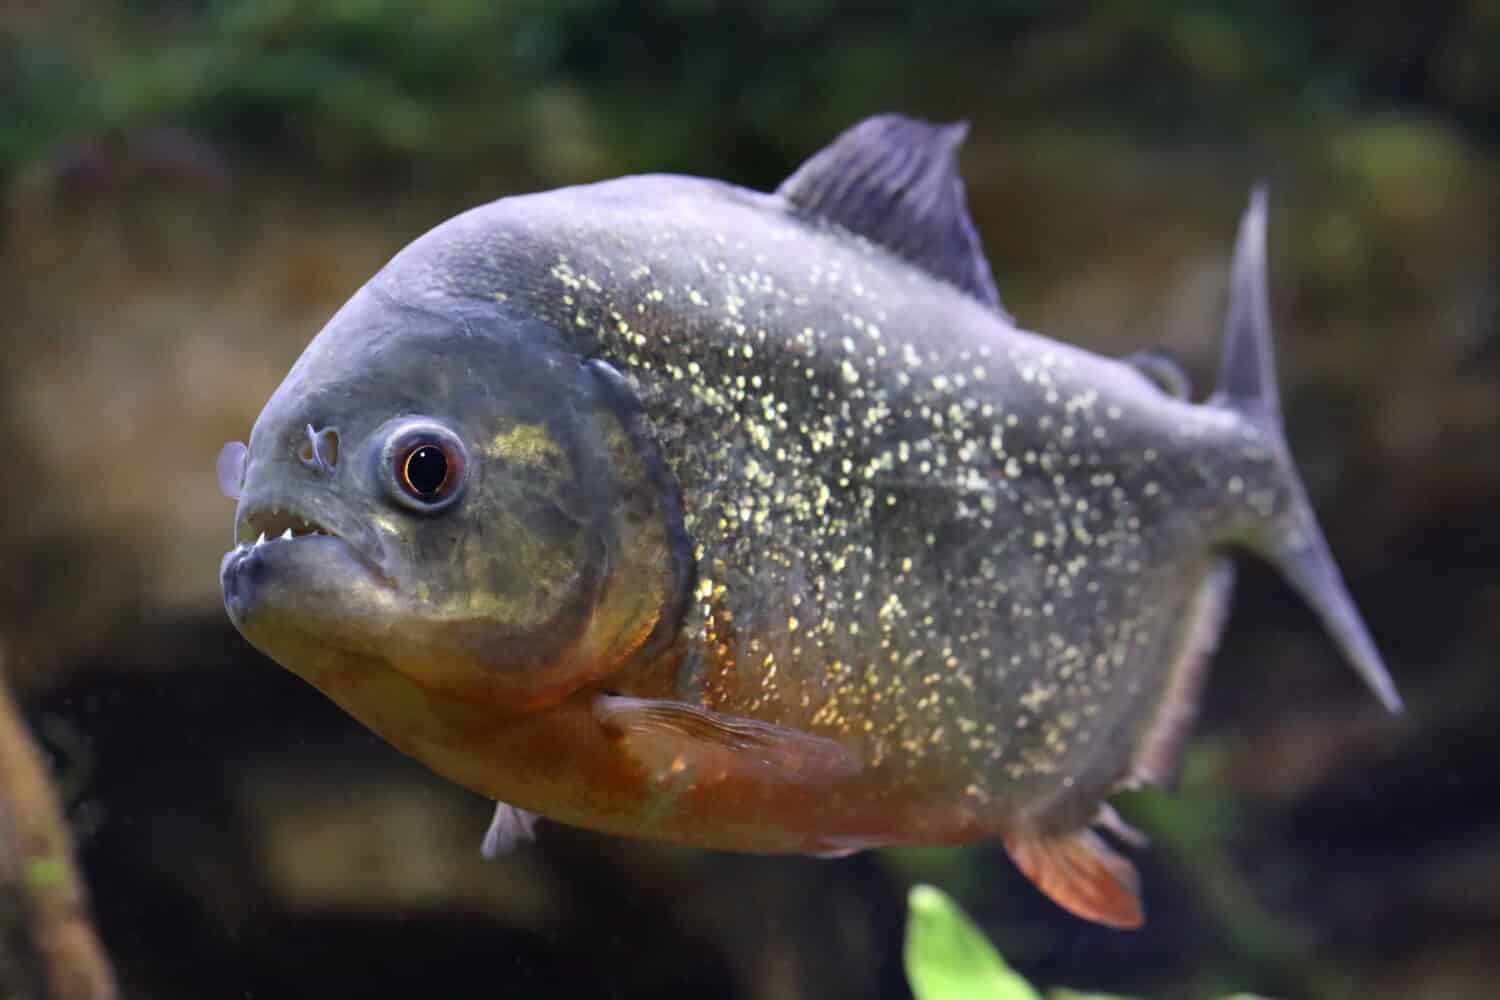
x=426 y=470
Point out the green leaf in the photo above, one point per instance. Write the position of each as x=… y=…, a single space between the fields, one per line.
x=948 y=958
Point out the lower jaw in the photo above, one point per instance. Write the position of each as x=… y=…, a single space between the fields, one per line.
x=239 y=573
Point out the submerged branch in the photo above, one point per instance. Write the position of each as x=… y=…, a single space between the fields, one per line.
x=40 y=886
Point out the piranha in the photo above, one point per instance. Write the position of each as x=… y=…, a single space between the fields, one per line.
x=751 y=521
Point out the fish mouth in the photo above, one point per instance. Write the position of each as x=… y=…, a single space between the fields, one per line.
x=268 y=525
x=270 y=530
x=286 y=559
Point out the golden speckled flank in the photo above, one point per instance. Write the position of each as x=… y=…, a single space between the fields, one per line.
x=937 y=544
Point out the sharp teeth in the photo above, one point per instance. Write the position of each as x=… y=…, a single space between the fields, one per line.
x=261 y=540
x=286 y=536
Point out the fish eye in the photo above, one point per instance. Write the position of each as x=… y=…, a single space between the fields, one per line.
x=425 y=464
x=424 y=472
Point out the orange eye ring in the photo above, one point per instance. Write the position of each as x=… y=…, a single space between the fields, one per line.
x=426 y=465
x=426 y=471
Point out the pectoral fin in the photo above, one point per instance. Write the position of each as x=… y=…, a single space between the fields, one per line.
x=1081 y=873
x=509 y=827
x=678 y=742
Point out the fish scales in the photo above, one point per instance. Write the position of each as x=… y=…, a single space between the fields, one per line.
x=753 y=521
x=917 y=527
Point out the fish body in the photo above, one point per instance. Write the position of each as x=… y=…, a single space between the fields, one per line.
x=761 y=524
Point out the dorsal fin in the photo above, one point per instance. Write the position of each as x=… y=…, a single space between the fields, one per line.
x=894 y=180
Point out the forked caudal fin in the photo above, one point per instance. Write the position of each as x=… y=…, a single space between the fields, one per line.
x=1247 y=384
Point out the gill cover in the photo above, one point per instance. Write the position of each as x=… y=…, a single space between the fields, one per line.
x=636 y=574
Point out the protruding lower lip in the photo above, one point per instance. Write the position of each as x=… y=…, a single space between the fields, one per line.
x=239 y=572
x=247 y=569
x=270 y=531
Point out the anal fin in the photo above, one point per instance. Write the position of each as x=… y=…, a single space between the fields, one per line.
x=1158 y=756
x=1110 y=822
x=1081 y=873
x=674 y=741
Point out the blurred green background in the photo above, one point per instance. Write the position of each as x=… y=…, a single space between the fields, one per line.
x=190 y=189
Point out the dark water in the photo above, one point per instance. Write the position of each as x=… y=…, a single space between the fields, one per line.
x=191 y=189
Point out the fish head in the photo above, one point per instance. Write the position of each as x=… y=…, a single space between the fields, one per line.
x=452 y=496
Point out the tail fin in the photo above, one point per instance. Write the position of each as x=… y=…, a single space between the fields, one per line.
x=1247 y=385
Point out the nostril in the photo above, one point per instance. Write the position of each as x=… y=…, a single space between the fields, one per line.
x=320 y=449
x=327 y=447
